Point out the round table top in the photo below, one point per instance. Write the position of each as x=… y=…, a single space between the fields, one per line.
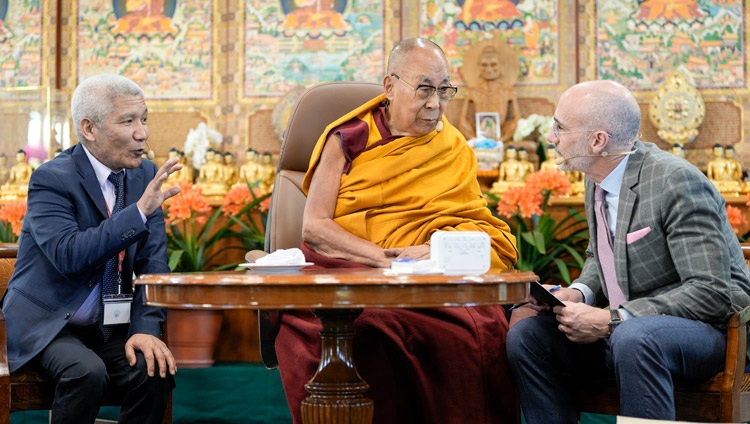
x=331 y=289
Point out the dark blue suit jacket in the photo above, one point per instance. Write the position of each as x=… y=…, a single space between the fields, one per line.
x=66 y=239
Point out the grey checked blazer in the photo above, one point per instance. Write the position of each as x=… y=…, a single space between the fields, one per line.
x=675 y=252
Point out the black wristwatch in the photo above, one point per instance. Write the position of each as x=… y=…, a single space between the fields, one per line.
x=614 y=320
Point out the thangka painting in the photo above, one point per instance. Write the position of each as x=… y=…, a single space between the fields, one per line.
x=166 y=46
x=641 y=42
x=292 y=43
x=530 y=27
x=21 y=43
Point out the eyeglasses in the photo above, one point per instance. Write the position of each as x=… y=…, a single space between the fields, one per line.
x=556 y=130
x=424 y=91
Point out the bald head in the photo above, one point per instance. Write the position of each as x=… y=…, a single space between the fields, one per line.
x=609 y=106
x=401 y=53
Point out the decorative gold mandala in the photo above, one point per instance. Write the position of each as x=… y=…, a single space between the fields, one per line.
x=677 y=109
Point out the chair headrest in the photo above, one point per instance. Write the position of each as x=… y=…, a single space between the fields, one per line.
x=316 y=108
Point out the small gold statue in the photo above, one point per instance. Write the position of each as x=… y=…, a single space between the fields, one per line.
x=4 y=170
x=722 y=172
x=267 y=173
x=211 y=175
x=575 y=177
x=512 y=172
x=184 y=174
x=678 y=150
x=549 y=163
x=734 y=167
x=528 y=166
x=187 y=173
x=17 y=185
x=231 y=173
x=250 y=170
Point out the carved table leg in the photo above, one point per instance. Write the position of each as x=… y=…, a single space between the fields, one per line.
x=337 y=392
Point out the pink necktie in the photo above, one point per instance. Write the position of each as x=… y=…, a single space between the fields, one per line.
x=604 y=246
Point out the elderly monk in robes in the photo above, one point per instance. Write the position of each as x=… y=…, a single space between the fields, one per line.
x=381 y=180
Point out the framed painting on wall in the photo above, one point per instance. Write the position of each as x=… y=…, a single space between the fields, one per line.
x=488 y=125
x=290 y=44
x=168 y=47
x=532 y=28
x=641 y=43
x=21 y=45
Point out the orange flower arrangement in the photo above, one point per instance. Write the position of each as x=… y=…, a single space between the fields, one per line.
x=547 y=247
x=238 y=197
x=189 y=204
x=532 y=198
x=192 y=230
x=246 y=206
x=11 y=216
x=736 y=218
x=520 y=200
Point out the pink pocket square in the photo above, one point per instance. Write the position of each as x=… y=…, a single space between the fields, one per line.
x=637 y=235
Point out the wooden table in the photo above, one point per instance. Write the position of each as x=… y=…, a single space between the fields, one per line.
x=337 y=297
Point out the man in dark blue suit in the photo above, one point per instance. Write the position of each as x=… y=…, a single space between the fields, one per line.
x=80 y=240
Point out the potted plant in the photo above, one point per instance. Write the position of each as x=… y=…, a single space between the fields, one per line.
x=547 y=247
x=195 y=237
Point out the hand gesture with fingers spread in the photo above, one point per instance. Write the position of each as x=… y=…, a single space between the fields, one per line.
x=153 y=197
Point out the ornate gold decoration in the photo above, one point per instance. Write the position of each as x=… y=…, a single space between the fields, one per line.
x=677 y=109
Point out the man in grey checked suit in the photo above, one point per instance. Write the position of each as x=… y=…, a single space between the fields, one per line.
x=678 y=271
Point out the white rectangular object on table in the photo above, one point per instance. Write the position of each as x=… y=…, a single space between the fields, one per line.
x=460 y=252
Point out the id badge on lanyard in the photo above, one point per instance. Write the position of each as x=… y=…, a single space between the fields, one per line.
x=117 y=306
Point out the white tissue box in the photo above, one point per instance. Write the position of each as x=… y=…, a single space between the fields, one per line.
x=461 y=252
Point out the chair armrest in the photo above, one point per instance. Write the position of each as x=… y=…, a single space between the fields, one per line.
x=4 y=367
x=736 y=353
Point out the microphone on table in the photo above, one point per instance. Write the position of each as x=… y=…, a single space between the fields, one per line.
x=560 y=161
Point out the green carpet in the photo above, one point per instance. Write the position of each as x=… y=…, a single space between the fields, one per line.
x=229 y=393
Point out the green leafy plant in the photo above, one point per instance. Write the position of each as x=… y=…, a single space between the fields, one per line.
x=546 y=246
x=194 y=231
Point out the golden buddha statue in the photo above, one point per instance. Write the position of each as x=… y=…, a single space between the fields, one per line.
x=250 y=170
x=267 y=173
x=734 y=167
x=17 y=185
x=549 y=163
x=490 y=78
x=211 y=175
x=576 y=182
x=512 y=172
x=721 y=172
x=4 y=170
x=528 y=166
x=187 y=173
x=184 y=174
x=231 y=173
x=575 y=177
x=678 y=150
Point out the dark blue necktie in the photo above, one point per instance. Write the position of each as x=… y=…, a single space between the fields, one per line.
x=111 y=278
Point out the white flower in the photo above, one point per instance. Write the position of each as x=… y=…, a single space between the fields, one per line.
x=542 y=124
x=198 y=141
